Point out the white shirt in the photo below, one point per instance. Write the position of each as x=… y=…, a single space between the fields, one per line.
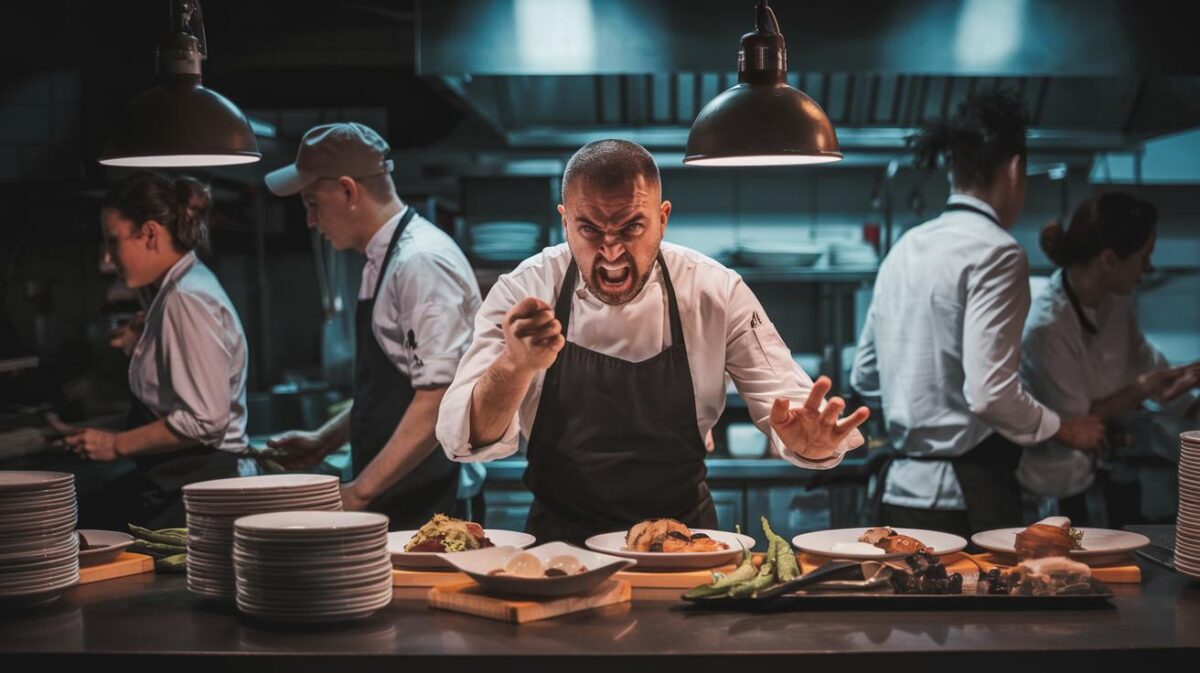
x=725 y=330
x=189 y=365
x=1070 y=369
x=423 y=316
x=941 y=346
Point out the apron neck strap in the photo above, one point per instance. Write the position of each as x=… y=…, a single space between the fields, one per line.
x=971 y=209
x=404 y=220
x=1088 y=325
x=562 y=307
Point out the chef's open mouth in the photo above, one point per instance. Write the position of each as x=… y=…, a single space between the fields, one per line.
x=614 y=277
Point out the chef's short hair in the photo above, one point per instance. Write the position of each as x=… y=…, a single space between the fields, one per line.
x=608 y=164
x=381 y=188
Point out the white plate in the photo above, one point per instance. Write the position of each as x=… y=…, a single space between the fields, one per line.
x=41 y=586
x=262 y=484
x=1099 y=544
x=23 y=481
x=296 y=563
x=301 y=523
x=413 y=559
x=324 y=503
x=479 y=562
x=614 y=543
x=821 y=542
x=15 y=507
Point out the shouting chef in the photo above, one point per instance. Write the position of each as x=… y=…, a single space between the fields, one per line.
x=608 y=353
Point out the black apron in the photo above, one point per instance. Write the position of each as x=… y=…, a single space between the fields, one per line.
x=381 y=396
x=163 y=475
x=987 y=472
x=616 y=442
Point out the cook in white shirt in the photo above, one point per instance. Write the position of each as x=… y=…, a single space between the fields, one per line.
x=412 y=324
x=188 y=367
x=1083 y=350
x=608 y=353
x=941 y=343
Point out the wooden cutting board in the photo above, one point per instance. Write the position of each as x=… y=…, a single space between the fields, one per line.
x=682 y=579
x=426 y=578
x=124 y=565
x=1119 y=573
x=468 y=597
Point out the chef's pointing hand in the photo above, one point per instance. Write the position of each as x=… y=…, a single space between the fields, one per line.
x=532 y=335
x=810 y=431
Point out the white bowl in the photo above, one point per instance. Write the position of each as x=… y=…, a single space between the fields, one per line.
x=479 y=562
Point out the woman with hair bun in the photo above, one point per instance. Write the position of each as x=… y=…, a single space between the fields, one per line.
x=1083 y=351
x=187 y=370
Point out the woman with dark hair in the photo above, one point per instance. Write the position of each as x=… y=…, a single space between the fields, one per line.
x=187 y=370
x=941 y=344
x=1083 y=351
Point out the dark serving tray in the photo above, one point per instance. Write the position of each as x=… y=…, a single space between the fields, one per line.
x=887 y=600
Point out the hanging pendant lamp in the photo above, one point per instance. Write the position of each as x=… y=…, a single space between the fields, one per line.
x=762 y=121
x=179 y=122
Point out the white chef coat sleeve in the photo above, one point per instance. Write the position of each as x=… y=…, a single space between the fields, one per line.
x=195 y=349
x=454 y=415
x=864 y=375
x=426 y=317
x=997 y=301
x=762 y=368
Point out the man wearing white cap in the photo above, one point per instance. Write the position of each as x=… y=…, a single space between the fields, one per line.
x=413 y=323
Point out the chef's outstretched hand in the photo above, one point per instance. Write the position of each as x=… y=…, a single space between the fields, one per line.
x=532 y=335
x=810 y=431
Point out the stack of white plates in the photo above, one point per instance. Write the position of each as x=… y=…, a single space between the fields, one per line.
x=504 y=241
x=852 y=253
x=779 y=254
x=39 y=549
x=213 y=506
x=312 y=566
x=1187 y=524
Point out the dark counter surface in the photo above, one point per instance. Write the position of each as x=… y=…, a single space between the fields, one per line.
x=153 y=622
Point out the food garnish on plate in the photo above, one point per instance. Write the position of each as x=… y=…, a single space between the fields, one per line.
x=1049 y=537
x=443 y=534
x=892 y=542
x=669 y=536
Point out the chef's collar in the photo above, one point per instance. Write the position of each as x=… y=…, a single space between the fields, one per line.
x=173 y=274
x=968 y=200
x=377 y=247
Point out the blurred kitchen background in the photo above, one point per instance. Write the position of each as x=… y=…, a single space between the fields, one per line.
x=484 y=100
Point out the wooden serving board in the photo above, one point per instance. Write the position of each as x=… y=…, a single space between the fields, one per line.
x=1119 y=573
x=402 y=577
x=680 y=579
x=468 y=597
x=124 y=565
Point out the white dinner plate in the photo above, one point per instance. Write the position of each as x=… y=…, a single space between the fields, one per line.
x=614 y=543
x=414 y=559
x=262 y=484
x=1100 y=545
x=822 y=542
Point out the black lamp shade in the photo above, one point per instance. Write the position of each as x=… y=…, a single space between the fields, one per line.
x=761 y=125
x=181 y=123
x=762 y=121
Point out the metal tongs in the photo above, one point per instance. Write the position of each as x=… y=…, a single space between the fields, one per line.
x=852 y=575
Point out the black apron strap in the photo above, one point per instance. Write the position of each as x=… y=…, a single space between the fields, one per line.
x=1086 y=322
x=966 y=207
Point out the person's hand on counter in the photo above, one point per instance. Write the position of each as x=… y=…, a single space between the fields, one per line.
x=811 y=432
x=93 y=444
x=1086 y=434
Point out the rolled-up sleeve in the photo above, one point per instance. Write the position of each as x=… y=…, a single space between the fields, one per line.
x=454 y=415
x=196 y=355
x=762 y=368
x=427 y=309
x=997 y=302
